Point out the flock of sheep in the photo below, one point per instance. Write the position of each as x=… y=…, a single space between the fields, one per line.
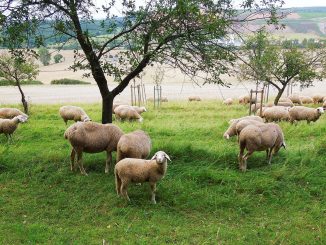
x=133 y=148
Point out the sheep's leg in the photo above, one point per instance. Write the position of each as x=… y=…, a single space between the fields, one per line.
x=72 y=159
x=118 y=184
x=80 y=162
x=270 y=156
x=240 y=156
x=267 y=154
x=153 y=188
x=123 y=191
x=244 y=159
x=108 y=162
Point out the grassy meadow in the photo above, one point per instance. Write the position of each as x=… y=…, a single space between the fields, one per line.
x=203 y=199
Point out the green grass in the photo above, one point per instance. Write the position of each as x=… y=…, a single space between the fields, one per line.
x=4 y=82
x=203 y=199
x=68 y=81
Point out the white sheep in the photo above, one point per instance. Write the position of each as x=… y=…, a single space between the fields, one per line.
x=228 y=101
x=231 y=131
x=74 y=113
x=8 y=126
x=318 y=98
x=299 y=113
x=136 y=144
x=139 y=109
x=194 y=98
x=135 y=170
x=265 y=137
x=9 y=113
x=92 y=137
x=276 y=113
x=306 y=99
x=125 y=112
x=295 y=98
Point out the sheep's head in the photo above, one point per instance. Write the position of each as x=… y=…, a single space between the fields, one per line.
x=161 y=157
x=22 y=118
x=143 y=109
x=140 y=119
x=226 y=136
x=320 y=110
x=86 y=119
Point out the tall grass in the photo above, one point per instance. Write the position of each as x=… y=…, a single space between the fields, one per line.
x=203 y=199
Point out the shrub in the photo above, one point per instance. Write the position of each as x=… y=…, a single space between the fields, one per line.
x=5 y=82
x=67 y=81
x=58 y=58
x=44 y=55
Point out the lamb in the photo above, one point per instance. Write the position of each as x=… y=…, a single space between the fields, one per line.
x=136 y=144
x=123 y=112
x=231 y=131
x=140 y=109
x=299 y=113
x=276 y=113
x=228 y=101
x=317 y=98
x=253 y=138
x=74 y=113
x=295 y=99
x=140 y=171
x=306 y=99
x=9 y=126
x=194 y=98
x=9 y=113
x=92 y=137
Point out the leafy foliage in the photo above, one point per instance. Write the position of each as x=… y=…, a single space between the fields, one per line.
x=4 y=82
x=68 y=81
x=44 y=55
x=58 y=58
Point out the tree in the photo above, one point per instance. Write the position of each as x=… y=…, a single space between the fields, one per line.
x=270 y=64
x=58 y=58
x=44 y=55
x=16 y=70
x=184 y=34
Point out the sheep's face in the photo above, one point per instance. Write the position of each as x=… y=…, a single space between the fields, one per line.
x=143 y=109
x=22 y=118
x=320 y=110
x=86 y=119
x=226 y=136
x=161 y=157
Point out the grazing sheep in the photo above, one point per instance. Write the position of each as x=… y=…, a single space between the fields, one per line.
x=74 y=113
x=231 y=131
x=276 y=113
x=126 y=112
x=244 y=123
x=285 y=100
x=139 y=110
x=317 y=98
x=256 y=107
x=306 y=99
x=9 y=113
x=299 y=113
x=285 y=104
x=8 y=126
x=92 y=137
x=115 y=105
x=295 y=99
x=228 y=101
x=245 y=99
x=136 y=144
x=140 y=171
x=194 y=98
x=164 y=99
x=253 y=138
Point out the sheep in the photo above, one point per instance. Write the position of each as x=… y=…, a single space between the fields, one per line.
x=194 y=98
x=276 y=113
x=92 y=137
x=299 y=113
x=317 y=98
x=136 y=144
x=140 y=109
x=231 y=131
x=9 y=113
x=74 y=113
x=306 y=99
x=164 y=99
x=228 y=101
x=8 y=126
x=127 y=112
x=285 y=104
x=256 y=107
x=295 y=99
x=115 y=105
x=324 y=105
x=284 y=100
x=245 y=99
x=244 y=123
x=140 y=171
x=263 y=137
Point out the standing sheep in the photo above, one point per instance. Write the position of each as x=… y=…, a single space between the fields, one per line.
x=194 y=98
x=9 y=113
x=276 y=113
x=231 y=131
x=139 y=171
x=317 y=98
x=295 y=99
x=92 y=137
x=8 y=126
x=306 y=99
x=74 y=113
x=299 y=113
x=136 y=144
x=228 y=101
x=126 y=112
x=266 y=137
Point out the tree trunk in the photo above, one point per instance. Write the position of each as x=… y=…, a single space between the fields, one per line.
x=107 y=104
x=279 y=94
x=24 y=102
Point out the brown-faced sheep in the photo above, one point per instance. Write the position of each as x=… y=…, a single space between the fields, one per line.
x=231 y=131
x=317 y=98
x=228 y=101
x=194 y=98
x=74 y=113
x=276 y=113
x=136 y=144
x=135 y=170
x=125 y=112
x=306 y=99
x=299 y=113
x=295 y=98
x=92 y=137
x=8 y=126
x=266 y=137
x=9 y=113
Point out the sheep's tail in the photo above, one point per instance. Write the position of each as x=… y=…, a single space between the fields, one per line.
x=117 y=182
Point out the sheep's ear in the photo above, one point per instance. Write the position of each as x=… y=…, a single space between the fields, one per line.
x=167 y=157
x=154 y=157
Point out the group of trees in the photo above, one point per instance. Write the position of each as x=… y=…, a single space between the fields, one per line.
x=183 y=34
x=45 y=56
